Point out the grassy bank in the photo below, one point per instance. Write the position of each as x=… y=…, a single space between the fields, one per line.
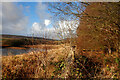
x=38 y=65
x=30 y=65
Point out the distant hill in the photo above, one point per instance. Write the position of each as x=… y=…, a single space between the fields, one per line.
x=20 y=37
x=18 y=40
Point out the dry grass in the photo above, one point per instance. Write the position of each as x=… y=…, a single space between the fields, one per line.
x=31 y=65
x=109 y=64
x=43 y=46
x=86 y=64
x=23 y=66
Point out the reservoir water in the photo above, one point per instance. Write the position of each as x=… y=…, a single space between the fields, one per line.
x=7 y=51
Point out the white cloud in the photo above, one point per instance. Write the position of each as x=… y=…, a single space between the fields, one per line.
x=36 y=27
x=39 y=31
x=42 y=28
x=13 y=20
x=44 y=16
x=60 y=31
x=47 y=22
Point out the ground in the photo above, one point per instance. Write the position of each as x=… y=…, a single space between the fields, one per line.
x=52 y=63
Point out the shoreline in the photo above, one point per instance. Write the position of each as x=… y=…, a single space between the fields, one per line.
x=48 y=46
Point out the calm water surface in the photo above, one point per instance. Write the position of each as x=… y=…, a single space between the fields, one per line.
x=6 y=51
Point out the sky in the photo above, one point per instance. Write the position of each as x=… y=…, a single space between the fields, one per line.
x=28 y=19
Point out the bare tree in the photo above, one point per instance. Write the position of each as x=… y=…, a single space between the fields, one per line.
x=66 y=31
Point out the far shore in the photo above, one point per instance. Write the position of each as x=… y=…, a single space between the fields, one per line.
x=42 y=46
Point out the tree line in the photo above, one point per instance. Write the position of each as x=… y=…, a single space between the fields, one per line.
x=98 y=27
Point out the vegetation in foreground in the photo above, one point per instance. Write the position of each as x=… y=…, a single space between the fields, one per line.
x=36 y=65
